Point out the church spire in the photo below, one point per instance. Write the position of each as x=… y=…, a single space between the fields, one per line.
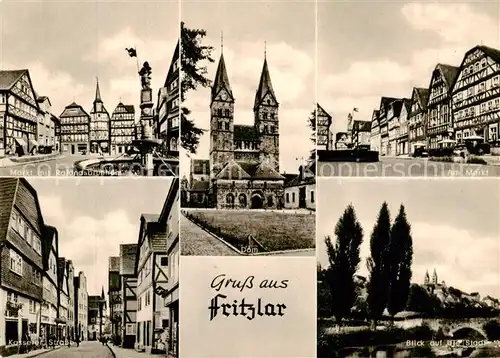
x=97 y=92
x=221 y=80
x=434 y=277
x=265 y=85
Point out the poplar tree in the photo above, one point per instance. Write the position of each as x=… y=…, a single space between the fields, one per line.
x=344 y=261
x=378 y=285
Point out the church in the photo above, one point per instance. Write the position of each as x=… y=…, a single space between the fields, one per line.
x=242 y=171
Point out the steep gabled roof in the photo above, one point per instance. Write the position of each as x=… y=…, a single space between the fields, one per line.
x=266 y=171
x=265 y=86
x=449 y=74
x=8 y=188
x=9 y=77
x=73 y=110
x=114 y=264
x=221 y=80
x=127 y=259
x=422 y=96
x=320 y=111
x=233 y=171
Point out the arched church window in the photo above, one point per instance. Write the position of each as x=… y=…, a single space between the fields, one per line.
x=242 y=199
x=226 y=112
x=272 y=115
x=230 y=199
x=226 y=126
x=219 y=125
x=264 y=115
x=271 y=129
x=219 y=112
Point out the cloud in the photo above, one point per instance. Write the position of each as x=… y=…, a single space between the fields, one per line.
x=89 y=241
x=462 y=259
x=111 y=49
x=455 y=23
x=54 y=83
x=364 y=82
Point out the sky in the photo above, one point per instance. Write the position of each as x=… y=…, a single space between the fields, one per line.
x=367 y=50
x=94 y=216
x=288 y=30
x=67 y=44
x=454 y=224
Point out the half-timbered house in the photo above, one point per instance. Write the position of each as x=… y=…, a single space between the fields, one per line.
x=129 y=293
x=50 y=303
x=81 y=306
x=417 y=118
x=64 y=306
x=46 y=126
x=114 y=295
x=168 y=108
x=74 y=129
x=402 y=134
x=440 y=119
x=18 y=112
x=361 y=133
x=152 y=270
x=375 y=132
x=99 y=125
x=476 y=95
x=383 y=124
x=21 y=290
x=324 y=135
x=393 y=124
x=122 y=128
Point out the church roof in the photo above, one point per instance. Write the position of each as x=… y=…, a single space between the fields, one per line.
x=221 y=79
x=248 y=171
x=97 y=93
x=265 y=86
x=245 y=133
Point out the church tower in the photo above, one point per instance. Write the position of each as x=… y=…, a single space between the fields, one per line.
x=427 y=279
x=434 y=278
x=265 y=111
x=221 y=120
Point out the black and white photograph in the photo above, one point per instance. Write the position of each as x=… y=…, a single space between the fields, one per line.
x=93 y=90
x=408 y=268
x=90 y=267
x=248 y=159
x=417 y=98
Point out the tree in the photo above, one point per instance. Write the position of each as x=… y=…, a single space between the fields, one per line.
x=311 y=122
x=194 y=57
x=344 y=260
x=378 y=285
x=400 y=261
x=420 y=300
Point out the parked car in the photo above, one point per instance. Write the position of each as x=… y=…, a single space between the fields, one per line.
x=420 y=152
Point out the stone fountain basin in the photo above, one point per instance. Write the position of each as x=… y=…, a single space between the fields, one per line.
x=125 y=166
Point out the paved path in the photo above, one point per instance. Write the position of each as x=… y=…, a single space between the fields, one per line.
x=61 y=166
x=131 y=353
x=86 y=350
x=305 y=252
x=196 y=241
x=401 y=167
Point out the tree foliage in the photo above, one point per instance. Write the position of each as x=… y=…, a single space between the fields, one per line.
x=378 y=284
x=344 y=260
x=194 y=58
x=400 y=261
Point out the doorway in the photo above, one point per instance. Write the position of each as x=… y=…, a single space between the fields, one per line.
x=256 y=201
x=302 y=197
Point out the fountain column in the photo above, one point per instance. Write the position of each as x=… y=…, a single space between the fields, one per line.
x=147 y=143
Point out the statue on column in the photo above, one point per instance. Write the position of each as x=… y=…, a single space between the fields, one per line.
x=145 y=74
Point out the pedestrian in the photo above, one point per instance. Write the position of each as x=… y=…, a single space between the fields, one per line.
x=78 y=340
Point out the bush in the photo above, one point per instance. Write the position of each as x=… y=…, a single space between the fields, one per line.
x=492 y=330
x=476 y=160
x=442 y=159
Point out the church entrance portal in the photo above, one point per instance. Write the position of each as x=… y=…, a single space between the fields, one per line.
x=256 y=201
